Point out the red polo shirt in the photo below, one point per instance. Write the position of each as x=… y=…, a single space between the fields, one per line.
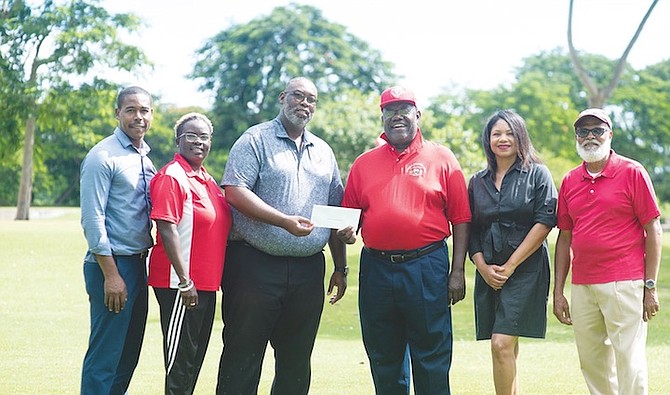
x=407 y=199
x=606 y=216
x=198 y=207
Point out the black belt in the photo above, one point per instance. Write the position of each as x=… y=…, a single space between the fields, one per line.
x=141 y=255
x=400 y=256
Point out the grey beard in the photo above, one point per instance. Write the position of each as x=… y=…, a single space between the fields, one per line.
x=594 y=155
x=297 y=121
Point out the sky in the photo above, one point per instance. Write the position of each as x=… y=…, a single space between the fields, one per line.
x=433 y=44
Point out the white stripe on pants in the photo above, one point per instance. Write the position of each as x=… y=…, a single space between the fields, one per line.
x=611 y=336
x=174 y=331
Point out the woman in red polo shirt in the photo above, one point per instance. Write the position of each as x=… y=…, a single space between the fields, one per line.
x=186 y=264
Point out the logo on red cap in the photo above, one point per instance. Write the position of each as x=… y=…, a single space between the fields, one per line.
x=397 y=94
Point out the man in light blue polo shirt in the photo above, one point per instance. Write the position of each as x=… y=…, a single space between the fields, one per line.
x=273 y=280
x=115 y=209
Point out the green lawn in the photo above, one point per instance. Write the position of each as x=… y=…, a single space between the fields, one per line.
x=44 y=328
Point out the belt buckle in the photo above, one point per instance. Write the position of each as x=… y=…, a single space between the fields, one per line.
x=397 y=258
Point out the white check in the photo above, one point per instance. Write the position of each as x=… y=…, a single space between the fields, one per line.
x=335 y=217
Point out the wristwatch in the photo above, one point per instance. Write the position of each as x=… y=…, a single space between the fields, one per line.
x=650 y=283
x=343 y=270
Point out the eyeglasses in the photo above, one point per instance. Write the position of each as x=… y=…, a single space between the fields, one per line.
x=403 y=111
x=583 y=132
x=299 y=97
x=192 y=137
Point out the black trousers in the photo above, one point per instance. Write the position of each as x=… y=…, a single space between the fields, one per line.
x=272 y=299
x=186 y=334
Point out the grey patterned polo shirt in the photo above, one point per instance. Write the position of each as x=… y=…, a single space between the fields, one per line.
x=266 y=161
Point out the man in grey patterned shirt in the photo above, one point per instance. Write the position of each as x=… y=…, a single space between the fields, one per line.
x=275 y=265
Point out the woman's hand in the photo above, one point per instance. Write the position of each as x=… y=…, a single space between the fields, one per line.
x=494 y=275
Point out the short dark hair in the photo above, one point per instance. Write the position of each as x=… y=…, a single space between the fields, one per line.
x=131 y=90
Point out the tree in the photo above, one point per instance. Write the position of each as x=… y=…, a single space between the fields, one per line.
x=597 y=97
x=548 y=94
x=455 y=120
x=74 y=120
x=643 y=124
x=47 y=45
x=247 y=66
x=639 y=109
x=350 y=125
x=70 y=122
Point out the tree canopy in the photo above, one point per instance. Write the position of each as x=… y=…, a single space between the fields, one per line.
x=43 y=46
x=248 y=65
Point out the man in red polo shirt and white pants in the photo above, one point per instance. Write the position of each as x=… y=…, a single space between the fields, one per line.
x=609 y=218
x=409 y=191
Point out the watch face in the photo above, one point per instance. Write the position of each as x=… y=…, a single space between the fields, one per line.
x=650 y=284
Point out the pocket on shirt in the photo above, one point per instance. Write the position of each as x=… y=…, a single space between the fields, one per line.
x=515 y=237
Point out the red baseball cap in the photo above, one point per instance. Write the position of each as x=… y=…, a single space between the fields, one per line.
x=596 y=113
x=396 y=94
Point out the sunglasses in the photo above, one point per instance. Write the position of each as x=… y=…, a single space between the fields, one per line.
x=583 y=132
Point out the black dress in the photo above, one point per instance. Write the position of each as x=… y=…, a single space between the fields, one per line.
x=500 y=222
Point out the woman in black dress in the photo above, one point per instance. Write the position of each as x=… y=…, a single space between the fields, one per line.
x=513 y=202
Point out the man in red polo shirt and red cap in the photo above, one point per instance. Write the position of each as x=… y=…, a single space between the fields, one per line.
x=609 y=218
x=410 y=192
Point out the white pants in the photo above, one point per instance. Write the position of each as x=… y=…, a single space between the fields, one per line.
x=611 y=337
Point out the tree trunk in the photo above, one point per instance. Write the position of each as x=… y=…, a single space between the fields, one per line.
x=26 y=185
x=597 y=97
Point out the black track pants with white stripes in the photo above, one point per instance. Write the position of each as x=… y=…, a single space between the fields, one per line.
x=186 y=334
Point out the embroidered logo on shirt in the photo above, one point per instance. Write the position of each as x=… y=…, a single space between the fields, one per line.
x=415 y=169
